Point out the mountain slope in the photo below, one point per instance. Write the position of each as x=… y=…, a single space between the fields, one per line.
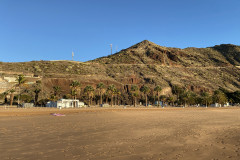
x=147 y=52
x=146 y=63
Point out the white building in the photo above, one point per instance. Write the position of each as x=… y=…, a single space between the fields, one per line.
x=28 y=105
x=65 y=103
x=219 y=105
x=216 y=105
x=160 y=103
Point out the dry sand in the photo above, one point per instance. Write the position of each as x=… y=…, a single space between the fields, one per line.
x=112 y=134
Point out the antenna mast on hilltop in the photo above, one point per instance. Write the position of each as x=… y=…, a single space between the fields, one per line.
x=72 y=55
x=111 y=48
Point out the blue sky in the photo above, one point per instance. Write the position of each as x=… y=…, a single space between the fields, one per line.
x=51 y=29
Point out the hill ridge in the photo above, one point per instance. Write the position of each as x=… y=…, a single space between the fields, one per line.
x=150 y=53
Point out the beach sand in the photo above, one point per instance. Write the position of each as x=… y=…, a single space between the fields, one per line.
x=127 y=134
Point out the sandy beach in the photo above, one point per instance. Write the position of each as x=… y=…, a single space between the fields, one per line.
x=112 y=134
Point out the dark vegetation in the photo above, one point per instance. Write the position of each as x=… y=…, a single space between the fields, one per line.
x=135 y=96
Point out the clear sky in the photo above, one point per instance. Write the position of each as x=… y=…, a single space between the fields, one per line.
x=51 y=29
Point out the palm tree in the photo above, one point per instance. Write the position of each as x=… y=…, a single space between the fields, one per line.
x=193 y=98
x=20 y=80
x=107 y=96
x=89 y=91
x=116 y=95
x=135 y=92
x=158 y=90
x=11 y=96
x=101 y=88
x=185 y=97
x=111 y=90
x=75 y=86
x=171 y=100
x=163 y=99
x=57 y=91
x=219 y=97
x=36 y=91
x=146 y=91
x=73 y=93
x=205 y=97
x=177 y=90
x=5 y=96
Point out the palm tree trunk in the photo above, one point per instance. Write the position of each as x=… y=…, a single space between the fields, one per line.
x=177 y=99
x=88 y=100
x=115 y=100
x=146 y=100
x=106 y=99
x=11 y=99
x=154 y=100
x=112 y=100
x=5 y=100
x=74 y=104
x=100 y=98
x=36 y=99
x=158 y=100
x=135 y=101
x=18 y=95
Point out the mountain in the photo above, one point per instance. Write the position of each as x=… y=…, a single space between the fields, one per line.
x=146 y=63
x=147 y=52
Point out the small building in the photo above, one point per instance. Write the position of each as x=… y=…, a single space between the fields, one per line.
x=65 y=103
x=27 y=105
x=226 y=104
x=160 y=103
x=215 y=105
x=51 y=104
x=105 y=105
x=219 y=105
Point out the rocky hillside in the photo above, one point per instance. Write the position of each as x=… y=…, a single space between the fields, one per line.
x=197 y=69
x=147 y=52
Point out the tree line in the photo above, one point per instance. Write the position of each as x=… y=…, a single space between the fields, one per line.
x=103 y=94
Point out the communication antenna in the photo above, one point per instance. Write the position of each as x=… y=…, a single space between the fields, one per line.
x=72 y=55
x=111 y=48
x=116 y=49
